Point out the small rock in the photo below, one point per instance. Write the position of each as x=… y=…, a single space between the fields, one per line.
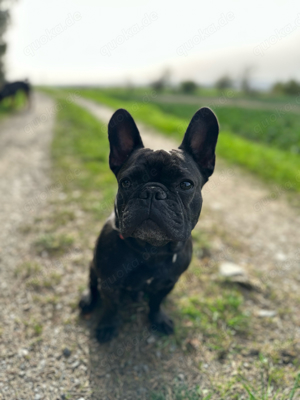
x=228 y=269
x=266 y=313
x=158 y=354
x=151 y=339
x=4 y=285
x=76 y=382
x=66 y=352
x=216 y=206
x=75 y=364
x=181 y=377
x=23 y=352
x=280 y=256
x=81 y=398
x=37 y=397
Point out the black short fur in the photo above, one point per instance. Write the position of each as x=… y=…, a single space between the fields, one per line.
x=146 y=243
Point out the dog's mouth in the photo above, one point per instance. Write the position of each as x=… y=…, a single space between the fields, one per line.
x=150 y=232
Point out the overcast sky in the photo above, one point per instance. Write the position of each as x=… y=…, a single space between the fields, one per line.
x=116 y=41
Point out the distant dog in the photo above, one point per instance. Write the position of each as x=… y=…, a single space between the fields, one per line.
x=146 y=244
x=10 y=89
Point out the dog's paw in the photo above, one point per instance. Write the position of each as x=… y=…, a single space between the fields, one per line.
x=160 y=322
x=86 y=305
x=104 y=333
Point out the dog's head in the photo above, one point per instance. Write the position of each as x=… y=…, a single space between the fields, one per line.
x=159 y=197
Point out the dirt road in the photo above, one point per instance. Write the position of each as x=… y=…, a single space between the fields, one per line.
x=24 y=174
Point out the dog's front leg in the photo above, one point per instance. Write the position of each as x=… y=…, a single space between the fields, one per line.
x=89 y=301
x=110 y=320
x=159 y=320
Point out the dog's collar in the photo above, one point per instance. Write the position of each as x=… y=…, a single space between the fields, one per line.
x=112 y=220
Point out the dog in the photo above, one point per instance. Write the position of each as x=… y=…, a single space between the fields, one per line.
x=10 y=89
x=146 y=243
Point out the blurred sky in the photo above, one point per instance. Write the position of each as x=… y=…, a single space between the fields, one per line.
x=119 y=41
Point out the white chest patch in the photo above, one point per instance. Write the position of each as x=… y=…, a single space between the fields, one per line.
x=174 y=258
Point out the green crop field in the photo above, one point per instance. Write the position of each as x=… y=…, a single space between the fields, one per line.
x=265 y=142
x=278 y=127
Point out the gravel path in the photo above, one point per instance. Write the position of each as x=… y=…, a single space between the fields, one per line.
x=24 y=170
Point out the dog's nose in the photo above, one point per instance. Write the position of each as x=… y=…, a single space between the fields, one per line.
x=160 y=195
x=155 y=191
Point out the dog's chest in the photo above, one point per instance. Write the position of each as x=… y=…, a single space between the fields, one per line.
x=145 y=277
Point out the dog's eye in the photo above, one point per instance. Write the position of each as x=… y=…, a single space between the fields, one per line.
x=126 y=183
x=186 y=185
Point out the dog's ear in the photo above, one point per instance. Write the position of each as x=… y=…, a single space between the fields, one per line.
x=124 y=138
x=201 y=138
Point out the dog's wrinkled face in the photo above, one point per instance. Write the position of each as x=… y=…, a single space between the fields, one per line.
x=159 y=198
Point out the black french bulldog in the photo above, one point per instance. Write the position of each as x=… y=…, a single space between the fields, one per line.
x=146 y=244
x=10 y=89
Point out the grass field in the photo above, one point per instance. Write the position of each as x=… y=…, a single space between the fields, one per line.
x=237 y=144
x=213 y=317
x=272 y=128
x=132 y=93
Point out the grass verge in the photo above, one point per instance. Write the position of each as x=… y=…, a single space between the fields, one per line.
x=80 y=155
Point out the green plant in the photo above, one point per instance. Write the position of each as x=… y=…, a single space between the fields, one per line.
x=27 y=269
x=181 y=392
x=264 y=391
x=53 y=244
